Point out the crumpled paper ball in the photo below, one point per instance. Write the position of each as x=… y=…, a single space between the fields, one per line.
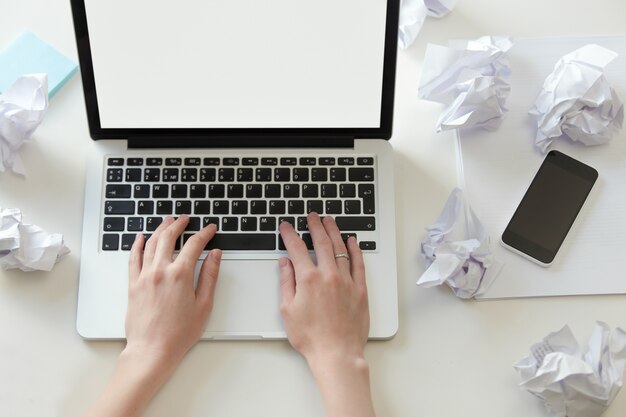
x=26 y=246
x=572 y=382
x=472 y=78
x=457 y=251
x=577 y=101
x=413 y=13
x=22 y=108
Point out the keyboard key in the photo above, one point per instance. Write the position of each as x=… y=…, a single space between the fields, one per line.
x=310 y=190
x=366 y=192
x=315 y=206
x=230 y=224
x=230 y=161
x=160 y=191
x=183 y=207
x=250 y=161
x=141 y=191
x=319 y=174
x=272 y=191
x=110 y=241
x=173 y=161
x=269 y=161
x=207 y=174
x=226 y=174
x=263 y=174
x=152 y=223
x=152 y=174
x=290 y=220
x=288 y=161
x=193 y=225
x=127 y=241
x=216 y=191
x=282 y=174
x=254 y=191
x=346 y=161
x=115 y=161
x=352 y=206
x=244 y=174
x=337 y=174
x=326 y=161
x=119 y=207
x=117 y=191
x=170 y=174
x=154 y=161
x=115 y=174
x=307 y=161
x=179 y=191
x=197 y=191
x=277 y=207
x=239 y=207
x=133 y=174
x=235 y=190
x=258 y=207
x=113 y=224
x=267 y=224
x=347 y=190
x=295 y=207
x=248 y=224
x=365 y=161
x=302 y=224
x=361 y=174
x=192 y=161
x=367 y=245
x=220 y=207
x=202 y=207
x=329 y=190
x=211 y=161
x=346 y=236
x=291 y=191
x=356 y=223
x=300 y=174
x=134 y=161
x=145 y=207
x=243 y=241
x=135 y=224
x=333 y=206
x=308 y=240
x=164 y=207
x=211 y=220
x=189 y=175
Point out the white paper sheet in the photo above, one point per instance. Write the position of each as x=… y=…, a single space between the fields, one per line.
x=471 y=78
x=573 y=382
x=413 y=13
x=22 y=108
x=577 y=100
x=26 y=246
x=457 y=250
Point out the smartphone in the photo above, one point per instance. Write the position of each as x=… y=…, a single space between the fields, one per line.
x=549 y=208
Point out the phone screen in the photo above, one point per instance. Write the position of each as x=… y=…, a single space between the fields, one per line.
x=550 y=206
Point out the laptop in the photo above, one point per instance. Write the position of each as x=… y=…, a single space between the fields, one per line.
x=243 y=114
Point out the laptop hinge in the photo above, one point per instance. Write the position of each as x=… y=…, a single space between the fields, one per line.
x=291 y=141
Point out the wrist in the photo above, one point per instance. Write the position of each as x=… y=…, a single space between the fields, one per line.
x=148 y=362
x=331 y=363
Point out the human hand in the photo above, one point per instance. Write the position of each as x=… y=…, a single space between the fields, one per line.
x=166 y=316
x=324 y=307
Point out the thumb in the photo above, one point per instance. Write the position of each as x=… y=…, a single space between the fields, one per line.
x=287 y=281
x=207 y=279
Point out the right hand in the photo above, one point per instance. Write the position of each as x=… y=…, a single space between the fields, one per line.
x=324 y=306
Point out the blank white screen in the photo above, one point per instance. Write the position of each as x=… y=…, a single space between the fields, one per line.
x=238 y=63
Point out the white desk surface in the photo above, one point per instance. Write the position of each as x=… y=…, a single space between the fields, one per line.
x=450 y=357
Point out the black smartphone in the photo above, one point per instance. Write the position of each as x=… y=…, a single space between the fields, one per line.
x=548 y=209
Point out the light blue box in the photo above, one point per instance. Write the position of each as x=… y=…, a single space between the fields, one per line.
x=28 y=54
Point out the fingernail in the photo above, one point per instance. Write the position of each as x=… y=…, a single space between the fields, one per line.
x=216 y=254
x=137 y=237
x=282 y=262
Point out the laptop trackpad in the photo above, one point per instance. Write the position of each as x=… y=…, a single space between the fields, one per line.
x=247 y=301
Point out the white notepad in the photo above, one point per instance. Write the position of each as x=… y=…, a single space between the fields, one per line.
x=496 y=168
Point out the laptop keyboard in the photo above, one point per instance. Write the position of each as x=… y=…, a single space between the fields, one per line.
x=246 y=197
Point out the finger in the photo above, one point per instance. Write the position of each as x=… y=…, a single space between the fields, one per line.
x=135 y=260
x=338 y=245
x=207 y=279
x=151 y=244
x=287 y=281
x=356 y=263
x=194 y=246
x=169 y=237
x=296 y=248
x=321 y=243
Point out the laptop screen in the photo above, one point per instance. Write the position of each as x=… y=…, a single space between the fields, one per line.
x=237 y=64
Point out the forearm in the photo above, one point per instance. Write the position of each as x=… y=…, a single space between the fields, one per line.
x=344 y=385
x=136 y=379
